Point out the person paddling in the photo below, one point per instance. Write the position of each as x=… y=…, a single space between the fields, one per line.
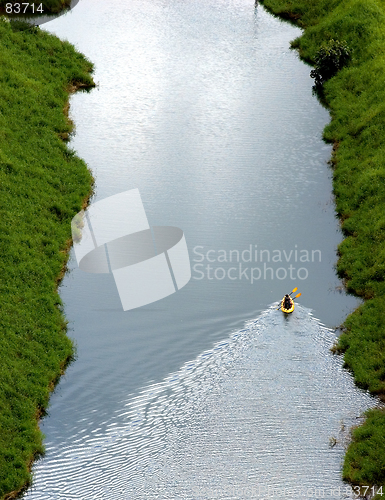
x=286 y=302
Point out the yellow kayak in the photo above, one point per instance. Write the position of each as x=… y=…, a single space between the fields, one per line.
x=291 y=309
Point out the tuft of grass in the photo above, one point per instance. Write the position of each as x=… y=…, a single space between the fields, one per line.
x=355 y=96
x=42 y=186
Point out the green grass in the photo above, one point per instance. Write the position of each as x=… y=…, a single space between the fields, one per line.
x=356 y=99
x=42 y=186
x=365 y=458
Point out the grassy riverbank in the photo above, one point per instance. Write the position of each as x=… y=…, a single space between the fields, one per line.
x=42 y=185
x=356 y=99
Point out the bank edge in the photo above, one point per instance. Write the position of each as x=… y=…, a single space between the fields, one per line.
x=356 y=100
x=42 y=186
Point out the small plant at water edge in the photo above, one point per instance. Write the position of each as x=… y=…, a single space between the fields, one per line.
x=330 y=58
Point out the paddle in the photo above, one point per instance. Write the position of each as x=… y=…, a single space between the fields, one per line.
x=294 y=290
x=298 y=295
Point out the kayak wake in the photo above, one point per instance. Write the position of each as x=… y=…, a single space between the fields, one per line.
x=255 y=411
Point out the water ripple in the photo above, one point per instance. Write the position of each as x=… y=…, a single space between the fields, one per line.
x=246 y=419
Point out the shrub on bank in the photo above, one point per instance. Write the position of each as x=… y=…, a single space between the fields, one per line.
x=42 y=186
x=330 y=59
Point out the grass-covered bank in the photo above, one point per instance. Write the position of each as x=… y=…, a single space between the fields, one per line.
x=42 y=186
x=356 y=99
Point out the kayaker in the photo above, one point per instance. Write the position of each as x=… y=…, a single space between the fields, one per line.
x=286 y=302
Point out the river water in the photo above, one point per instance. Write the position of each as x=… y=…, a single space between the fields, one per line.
x=210 y=392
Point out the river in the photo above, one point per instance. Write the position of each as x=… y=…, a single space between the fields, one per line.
x=209 y=392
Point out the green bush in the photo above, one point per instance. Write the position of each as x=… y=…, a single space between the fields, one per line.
x=330 y=58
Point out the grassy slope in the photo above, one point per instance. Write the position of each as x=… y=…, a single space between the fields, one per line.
x=356 y=98
x=42 y=185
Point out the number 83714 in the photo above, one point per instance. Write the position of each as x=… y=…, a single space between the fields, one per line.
x=23 y=8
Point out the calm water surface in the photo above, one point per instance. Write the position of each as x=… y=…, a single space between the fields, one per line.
x=205 y=109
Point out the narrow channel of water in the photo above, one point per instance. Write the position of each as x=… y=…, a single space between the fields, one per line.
x=203 y=107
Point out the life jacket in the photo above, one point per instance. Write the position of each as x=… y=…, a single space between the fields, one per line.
x=287 y=303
